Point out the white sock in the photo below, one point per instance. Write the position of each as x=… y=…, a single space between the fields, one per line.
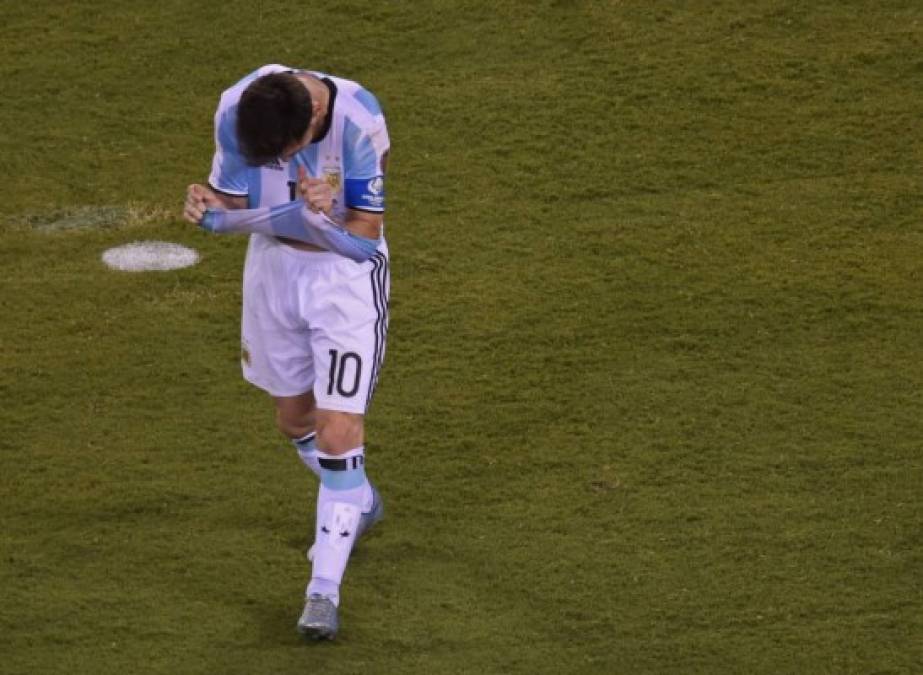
x=343 y=494
x=307 y=451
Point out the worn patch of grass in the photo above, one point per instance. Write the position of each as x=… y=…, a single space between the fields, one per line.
x=652 y=400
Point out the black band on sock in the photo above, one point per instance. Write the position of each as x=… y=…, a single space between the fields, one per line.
x=341 y=464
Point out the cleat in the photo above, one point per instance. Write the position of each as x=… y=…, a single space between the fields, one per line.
x=319 y=619
x=366 y=520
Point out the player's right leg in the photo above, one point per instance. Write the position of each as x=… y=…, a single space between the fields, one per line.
x=347 y=505
x=349 y=318
x=298 y=418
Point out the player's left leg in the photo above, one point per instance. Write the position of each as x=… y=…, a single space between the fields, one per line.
x=296 y=419
x=341 y=435
x=347 y=505
x=338 y=433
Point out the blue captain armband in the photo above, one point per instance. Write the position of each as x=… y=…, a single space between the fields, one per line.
x=294 y=221
x=366 y=194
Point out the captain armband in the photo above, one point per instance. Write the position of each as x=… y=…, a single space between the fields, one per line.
x=294 y=221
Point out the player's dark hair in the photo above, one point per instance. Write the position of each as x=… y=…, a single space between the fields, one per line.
x=274 y=111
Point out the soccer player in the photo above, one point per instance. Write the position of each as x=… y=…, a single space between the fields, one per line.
x=299 y=165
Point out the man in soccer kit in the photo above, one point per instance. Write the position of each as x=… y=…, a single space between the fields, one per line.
x=299 y=165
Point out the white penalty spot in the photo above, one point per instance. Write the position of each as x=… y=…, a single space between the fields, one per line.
x=146 y=256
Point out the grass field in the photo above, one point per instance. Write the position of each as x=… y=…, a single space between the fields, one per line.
x=653 y=400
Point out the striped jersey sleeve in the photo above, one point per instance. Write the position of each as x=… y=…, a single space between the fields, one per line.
x=365 y=151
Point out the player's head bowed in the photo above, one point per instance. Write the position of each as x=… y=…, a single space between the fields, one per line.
x=273 y=114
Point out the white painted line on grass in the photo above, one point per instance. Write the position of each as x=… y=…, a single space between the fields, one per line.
x=146 y=256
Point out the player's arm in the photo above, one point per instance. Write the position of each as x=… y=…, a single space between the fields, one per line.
x=318 y=195
x=364 y=223
x=300 y=220
x=307 y=219
x=229 y=201
x=364 y=183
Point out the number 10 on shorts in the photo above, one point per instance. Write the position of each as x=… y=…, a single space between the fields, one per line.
x=345 y=371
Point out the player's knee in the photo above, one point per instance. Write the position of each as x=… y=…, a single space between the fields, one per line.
x=339 y=432
x=295 y=414
x=294 y=424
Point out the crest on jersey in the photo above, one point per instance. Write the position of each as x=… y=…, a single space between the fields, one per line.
x=333 y=175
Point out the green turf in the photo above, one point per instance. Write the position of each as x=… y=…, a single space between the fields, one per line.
x=653 y=399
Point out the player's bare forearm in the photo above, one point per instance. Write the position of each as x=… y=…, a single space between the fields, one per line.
x=231 y=201
x=363 y=223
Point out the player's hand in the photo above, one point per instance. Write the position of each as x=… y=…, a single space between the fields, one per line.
x=199 y=198
x=316 y=192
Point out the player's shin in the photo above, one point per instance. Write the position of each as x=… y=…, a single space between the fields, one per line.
x=343 y=494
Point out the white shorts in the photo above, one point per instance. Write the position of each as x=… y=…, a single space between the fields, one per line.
x=314 y=321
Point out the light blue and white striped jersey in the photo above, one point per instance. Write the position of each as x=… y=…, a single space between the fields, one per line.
x=351 y=156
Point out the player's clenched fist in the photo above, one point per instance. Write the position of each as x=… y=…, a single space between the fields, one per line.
x=198 y=199
x=316 y=192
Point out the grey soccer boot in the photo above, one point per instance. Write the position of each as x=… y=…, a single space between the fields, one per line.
x=319 y=619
